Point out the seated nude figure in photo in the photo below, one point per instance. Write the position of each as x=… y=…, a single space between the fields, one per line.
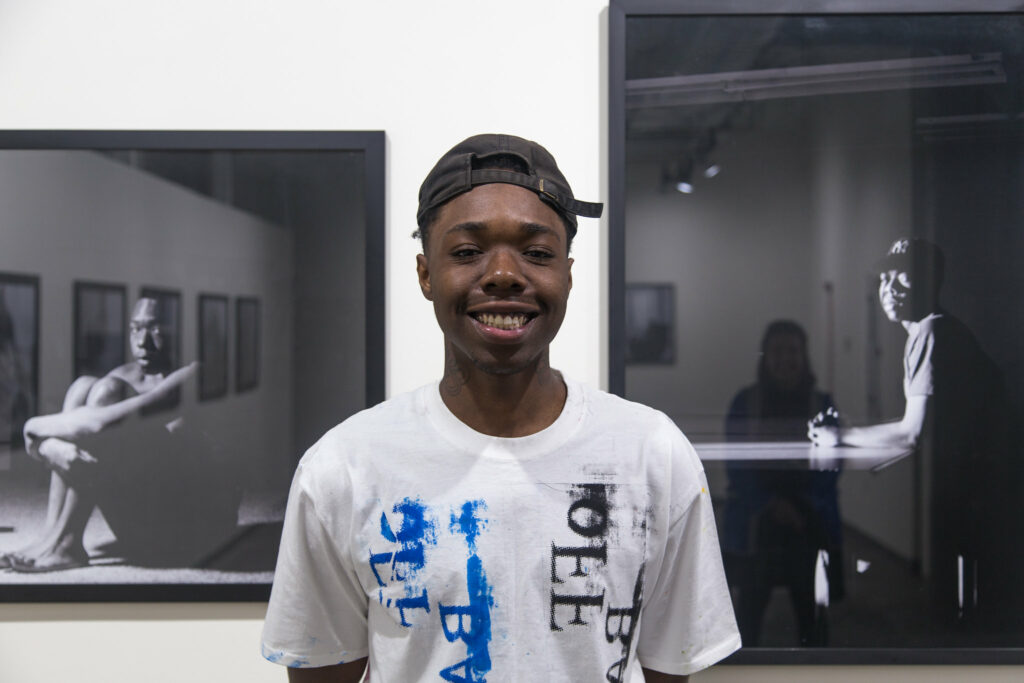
x=91 y=406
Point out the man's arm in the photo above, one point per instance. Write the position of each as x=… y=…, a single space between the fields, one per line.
x=349 y=672
x=652 y=676
x=87 y=420
x=903 y=433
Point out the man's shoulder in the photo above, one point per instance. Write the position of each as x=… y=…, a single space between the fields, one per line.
x=613 y=412
x=394 y=420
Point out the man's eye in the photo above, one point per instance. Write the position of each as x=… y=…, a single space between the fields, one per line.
x=539 y=253
x=465 y=252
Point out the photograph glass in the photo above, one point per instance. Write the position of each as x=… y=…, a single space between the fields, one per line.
x=100 y=338
x=836 y=200
x=117 y=329
x=213 y=346
x=247 y=344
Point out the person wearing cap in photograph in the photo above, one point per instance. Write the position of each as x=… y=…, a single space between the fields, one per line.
x=505 y=523
x=955 y=417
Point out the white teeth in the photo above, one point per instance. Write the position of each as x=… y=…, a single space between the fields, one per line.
x=502 y=322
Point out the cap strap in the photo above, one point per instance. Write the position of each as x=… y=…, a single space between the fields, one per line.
x=493 y=175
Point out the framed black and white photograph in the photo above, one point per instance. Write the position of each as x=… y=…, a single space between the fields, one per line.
x=122 y=254
x=19 y=359
x=650 y=337
x=100 y=334
x=247 y=343
x=833 y=192
x=213 y=346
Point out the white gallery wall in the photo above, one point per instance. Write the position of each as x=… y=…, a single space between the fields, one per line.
x=428 y=74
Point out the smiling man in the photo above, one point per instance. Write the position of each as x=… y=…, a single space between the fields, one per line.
x=505 y=523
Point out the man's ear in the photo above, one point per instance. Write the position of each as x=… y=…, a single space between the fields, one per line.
x=423 y=273
x=571 y=261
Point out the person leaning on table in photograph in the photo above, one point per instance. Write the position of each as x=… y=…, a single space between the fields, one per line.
x=505 y=523
x=956 y=418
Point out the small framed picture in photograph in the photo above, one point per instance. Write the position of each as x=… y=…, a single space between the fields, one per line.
x=650 y=336
x=247 y=343
x=213 y=346
x=100 y=332
x=19 y=358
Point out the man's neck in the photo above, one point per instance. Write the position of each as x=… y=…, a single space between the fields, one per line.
x=512 y=405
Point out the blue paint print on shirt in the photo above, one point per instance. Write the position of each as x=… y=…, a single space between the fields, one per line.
x=416 y=531
x=468 y=523
x=470 y=623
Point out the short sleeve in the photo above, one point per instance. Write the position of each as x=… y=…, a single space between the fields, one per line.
x=919 y=375
x=317 y=611
x=688 y=622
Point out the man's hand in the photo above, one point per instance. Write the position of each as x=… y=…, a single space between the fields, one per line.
x=63 y=457
x=652 y=676
x=823 y=429
x=350 y=672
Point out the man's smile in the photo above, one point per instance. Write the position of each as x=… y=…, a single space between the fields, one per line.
x=504 y=321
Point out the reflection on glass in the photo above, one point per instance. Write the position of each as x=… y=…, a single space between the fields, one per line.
x=865 y=191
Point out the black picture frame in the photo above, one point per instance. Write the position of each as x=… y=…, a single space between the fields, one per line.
x=213 y=346
x=19 y=346
x=939 y=157
x=101 y=335
x=247 y=343
x=270 y=215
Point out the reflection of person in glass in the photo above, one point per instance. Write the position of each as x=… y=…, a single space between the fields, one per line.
x=778 y=522
x=955 y=416
x=91 y=406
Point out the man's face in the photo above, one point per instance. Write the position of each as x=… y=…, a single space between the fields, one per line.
x=784 y=356
x=894 y=293
x=498 y=272
x=148 y=338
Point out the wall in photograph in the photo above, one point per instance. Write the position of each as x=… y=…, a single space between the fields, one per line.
x=80 y=216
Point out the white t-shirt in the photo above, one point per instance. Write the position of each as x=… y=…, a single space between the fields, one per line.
x=448 y=555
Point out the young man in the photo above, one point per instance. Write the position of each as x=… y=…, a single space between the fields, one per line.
x=955 y=418
x=506 y=523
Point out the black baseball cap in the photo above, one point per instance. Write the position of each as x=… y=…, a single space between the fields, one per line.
x=914 y=255
x=459 y=171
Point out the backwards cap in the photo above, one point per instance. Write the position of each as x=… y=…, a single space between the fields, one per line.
x=458 y=171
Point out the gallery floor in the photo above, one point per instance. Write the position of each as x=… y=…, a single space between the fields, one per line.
x=247 y=558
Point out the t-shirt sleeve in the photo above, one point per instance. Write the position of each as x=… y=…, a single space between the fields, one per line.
x=919 y=370
x=317 y=611
x=688 y=622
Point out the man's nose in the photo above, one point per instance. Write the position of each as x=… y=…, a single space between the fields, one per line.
x=503 y=271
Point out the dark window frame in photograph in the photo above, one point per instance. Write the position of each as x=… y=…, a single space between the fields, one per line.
x=32 y=400
x=213 y=381
x=247 y=344
x=83 y=288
